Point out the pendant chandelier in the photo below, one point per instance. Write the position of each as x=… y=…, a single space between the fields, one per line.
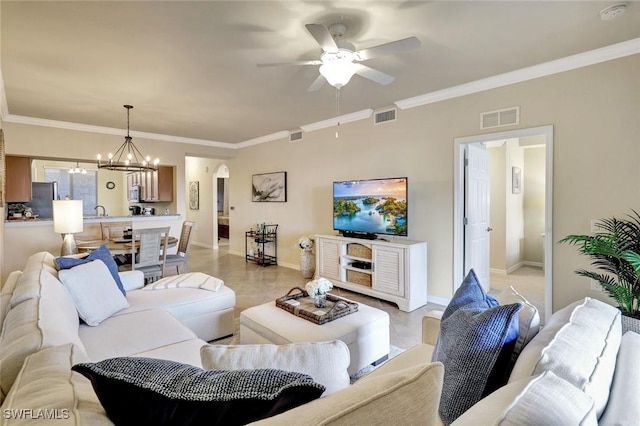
x=128 y=158
x=78 y=169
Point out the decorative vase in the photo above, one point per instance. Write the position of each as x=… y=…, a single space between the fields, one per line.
x=307 y=263
x=320 y=300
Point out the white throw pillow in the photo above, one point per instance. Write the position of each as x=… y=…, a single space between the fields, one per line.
x=624 y=402
x=579 y=343
x=545 y=399
x=94 y=291
x=528 y=318
x=408 y=396
x=325 y=362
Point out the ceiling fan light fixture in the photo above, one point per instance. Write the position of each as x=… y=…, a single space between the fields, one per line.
x=338 y=73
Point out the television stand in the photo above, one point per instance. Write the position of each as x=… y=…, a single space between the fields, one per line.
x=361 y=235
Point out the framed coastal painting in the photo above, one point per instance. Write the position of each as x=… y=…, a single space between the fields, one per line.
x=269 y=187
x=194 y=195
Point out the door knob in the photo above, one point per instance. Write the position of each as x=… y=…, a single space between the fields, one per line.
x=489 y=229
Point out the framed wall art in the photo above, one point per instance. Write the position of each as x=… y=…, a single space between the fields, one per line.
x=269 y=187
x=516 y=180
x=194 y=195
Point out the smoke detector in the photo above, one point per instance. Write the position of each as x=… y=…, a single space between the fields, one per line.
x=612 y=12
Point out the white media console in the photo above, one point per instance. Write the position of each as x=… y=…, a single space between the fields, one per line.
x=395 y=271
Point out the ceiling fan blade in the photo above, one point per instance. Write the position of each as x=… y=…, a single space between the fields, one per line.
x=278 y=64
x=317 y=84
x=323 y=37
x=374 y=75
x=390 y=48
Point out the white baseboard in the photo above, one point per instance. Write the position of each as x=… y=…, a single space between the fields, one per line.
x=444 y=301
x=209 y=246
x=497 y=271
x=515 y=267
x=534 y=264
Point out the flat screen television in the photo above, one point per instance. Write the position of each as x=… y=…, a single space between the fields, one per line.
x=365 y=208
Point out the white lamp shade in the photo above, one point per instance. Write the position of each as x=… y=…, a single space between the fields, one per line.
x=337 y=72
x=67 y=216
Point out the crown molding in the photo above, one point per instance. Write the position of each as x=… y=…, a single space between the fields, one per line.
x=347 y=118
x=580 y=60
x=263 y=139
x=19 y=119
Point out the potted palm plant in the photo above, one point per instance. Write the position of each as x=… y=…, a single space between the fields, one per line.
x=614 y=249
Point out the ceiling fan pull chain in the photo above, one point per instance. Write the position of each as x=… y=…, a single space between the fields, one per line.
x=337 y=109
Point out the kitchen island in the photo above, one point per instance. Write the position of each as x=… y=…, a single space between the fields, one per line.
x=22 y=238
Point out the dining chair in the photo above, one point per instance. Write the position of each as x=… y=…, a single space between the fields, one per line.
x=111 y=230
x=179 y=260
x=148 y=252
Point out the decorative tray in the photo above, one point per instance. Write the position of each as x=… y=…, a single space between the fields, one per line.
x=301 y=305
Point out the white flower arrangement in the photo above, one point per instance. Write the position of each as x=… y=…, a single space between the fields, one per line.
x=306 y=242
x=318 y=287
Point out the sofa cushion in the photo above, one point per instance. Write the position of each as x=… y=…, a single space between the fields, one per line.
x=152 y=391
x=40 y=260
x=623 y=407
x=46 y=320
x=7 y=293
x=93 y=291
x=475 y=345
x=145 y=331
x=579 y=343
x=103 y=254
x=412 y=393
x=326 y=362
x=528 y=318
x=544 y=399
x=48 y=387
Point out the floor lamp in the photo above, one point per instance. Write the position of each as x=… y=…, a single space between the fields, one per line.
x=67 y=220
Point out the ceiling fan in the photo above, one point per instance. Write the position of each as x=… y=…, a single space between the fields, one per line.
x=340 y=60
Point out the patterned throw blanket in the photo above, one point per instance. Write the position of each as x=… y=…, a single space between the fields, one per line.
x=189 y=280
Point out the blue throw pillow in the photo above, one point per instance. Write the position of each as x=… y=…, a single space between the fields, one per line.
x=101 y=253
x=147 y=391
x=476 y=340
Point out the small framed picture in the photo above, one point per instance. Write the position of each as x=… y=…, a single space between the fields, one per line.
x=269 y=187
x=516 y=180
x=194 y=195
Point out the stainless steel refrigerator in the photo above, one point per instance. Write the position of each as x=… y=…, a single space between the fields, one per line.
x=43 y=194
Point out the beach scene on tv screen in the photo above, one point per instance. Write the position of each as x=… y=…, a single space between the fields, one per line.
x=377 y=206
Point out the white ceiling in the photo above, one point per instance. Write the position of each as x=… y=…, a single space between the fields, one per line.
x=189 y=67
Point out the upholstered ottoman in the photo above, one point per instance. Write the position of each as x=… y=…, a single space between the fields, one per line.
x=366 y=332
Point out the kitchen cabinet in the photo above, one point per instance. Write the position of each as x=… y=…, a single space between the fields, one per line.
x=17 y=179
x=390 y=270
x=155 y=186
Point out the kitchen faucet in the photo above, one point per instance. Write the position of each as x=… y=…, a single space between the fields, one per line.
x=104 y=211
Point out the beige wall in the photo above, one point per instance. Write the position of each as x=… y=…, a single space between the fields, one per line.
x=534 y=183
x=497 y=209
x=204 y=170
x=514 y=242
x=594 y=112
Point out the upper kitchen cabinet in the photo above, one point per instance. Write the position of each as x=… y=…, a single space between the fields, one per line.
x=155 y=186
x=18 y=179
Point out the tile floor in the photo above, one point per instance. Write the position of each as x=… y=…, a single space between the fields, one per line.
x=527 y=280
x=255 y=285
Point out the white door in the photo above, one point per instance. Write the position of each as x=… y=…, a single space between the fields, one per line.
x=476 y=211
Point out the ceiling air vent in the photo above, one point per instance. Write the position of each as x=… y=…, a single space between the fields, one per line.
x=384 y=116
x=295 y=136
x=503 y=117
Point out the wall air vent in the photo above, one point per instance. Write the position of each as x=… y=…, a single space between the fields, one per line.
x=295 y=136
x=384 y=116
x=500 y=118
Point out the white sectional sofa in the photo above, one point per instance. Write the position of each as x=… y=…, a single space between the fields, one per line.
x=37 y=312
x=578 y=370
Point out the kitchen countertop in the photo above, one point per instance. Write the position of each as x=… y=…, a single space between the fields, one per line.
x=88 y=219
